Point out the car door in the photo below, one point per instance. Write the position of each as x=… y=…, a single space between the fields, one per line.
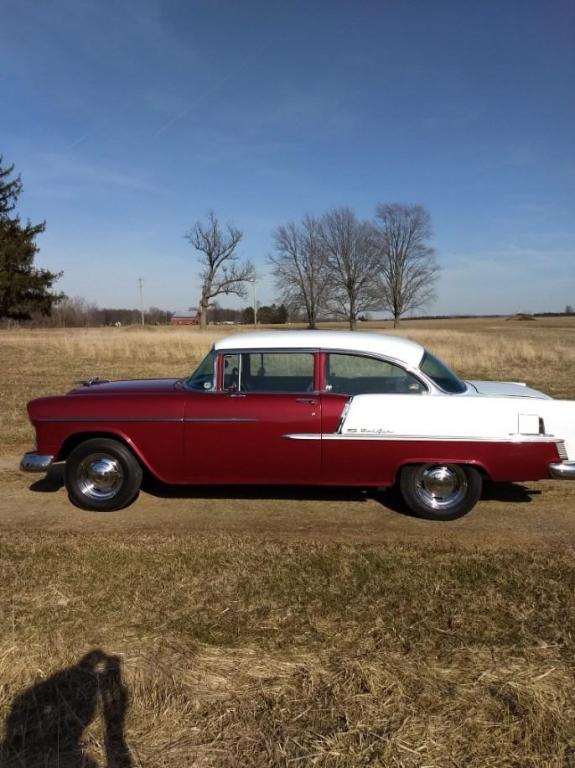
x=262 y=424
x=360 y=459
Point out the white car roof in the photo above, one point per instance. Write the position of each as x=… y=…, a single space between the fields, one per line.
x=402 y=350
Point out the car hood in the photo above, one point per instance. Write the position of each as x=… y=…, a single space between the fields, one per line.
x=128 y=387
x=503 y=389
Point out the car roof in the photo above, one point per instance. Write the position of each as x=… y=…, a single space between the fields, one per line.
x=400 y=349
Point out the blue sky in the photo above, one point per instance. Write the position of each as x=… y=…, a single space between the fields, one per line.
x=130 y=120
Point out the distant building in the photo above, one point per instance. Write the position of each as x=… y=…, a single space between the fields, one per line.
x=186 y=317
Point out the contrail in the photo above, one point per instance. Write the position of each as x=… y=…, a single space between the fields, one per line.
x=168 y=124
x=194 y=104
x=215 y=87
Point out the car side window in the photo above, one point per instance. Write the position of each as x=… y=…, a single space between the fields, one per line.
x=358 y=375
x=204 y=377
x=269 y=371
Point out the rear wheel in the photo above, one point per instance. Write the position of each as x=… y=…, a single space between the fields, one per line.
x=102 y=475
x=440 y=491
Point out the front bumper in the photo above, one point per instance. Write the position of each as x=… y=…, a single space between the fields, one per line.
x=563 y=470
x=35 y=462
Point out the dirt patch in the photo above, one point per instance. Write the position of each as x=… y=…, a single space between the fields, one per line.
x=509 y=515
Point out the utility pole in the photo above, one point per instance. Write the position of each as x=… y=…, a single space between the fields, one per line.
x=255 y=302
x=141 y=284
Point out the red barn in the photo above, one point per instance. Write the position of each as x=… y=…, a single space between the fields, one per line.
x=187 y=317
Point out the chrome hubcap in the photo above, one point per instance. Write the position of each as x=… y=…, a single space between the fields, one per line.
x=100 y=476
x=440 y=486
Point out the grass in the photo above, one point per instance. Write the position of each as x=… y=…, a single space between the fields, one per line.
x=253 y=653
x=161 y=650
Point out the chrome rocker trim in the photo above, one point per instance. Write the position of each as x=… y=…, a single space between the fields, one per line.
x=564 y=470
x=35 y=462
x=392 y=437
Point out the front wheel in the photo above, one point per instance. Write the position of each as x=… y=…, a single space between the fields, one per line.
x=102 y=475
x=440 y=491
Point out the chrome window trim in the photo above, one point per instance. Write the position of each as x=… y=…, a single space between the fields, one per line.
x=429 y=385
x=267 y=350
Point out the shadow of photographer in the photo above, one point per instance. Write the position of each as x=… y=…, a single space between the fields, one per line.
x=46 y=723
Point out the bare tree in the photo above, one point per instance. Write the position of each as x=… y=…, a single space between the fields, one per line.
x=353 y=262
x=222 y=272
x=409 y=268
x=299 y=268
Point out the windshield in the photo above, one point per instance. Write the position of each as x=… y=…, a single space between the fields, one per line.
x=441 y=375
x=204 y=377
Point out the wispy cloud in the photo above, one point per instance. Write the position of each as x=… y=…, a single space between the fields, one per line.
x=60 y=175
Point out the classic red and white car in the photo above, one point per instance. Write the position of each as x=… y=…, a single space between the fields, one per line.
x=306 y=408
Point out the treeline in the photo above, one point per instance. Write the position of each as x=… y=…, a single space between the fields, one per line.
x=273 y=314
x=76 y=312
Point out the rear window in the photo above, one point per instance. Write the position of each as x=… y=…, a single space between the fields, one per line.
x=442 y=375
x=358 y=375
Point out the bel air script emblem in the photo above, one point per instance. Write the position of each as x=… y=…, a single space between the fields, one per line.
x=365 y=431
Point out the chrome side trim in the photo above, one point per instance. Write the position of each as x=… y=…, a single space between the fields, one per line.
x=130 y=419
x=96 y=419
x=564 y=470
x=219 y=420
x=35 y=462
x=422 y=438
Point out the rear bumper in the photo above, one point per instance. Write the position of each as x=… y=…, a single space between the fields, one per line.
x=563 y=470
x=35 y=462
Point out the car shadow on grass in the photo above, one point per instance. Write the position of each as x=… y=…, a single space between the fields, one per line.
x=390 y=498
x=508 y=492
x=54 y=481
x=46 y=723
x=161 y=490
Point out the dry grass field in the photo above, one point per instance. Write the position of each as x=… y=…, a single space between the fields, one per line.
x=282 y=627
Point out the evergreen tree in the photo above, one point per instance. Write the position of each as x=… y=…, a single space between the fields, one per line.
x=24 y=288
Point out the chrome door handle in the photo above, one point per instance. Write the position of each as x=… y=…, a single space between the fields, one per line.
x=306 y=400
